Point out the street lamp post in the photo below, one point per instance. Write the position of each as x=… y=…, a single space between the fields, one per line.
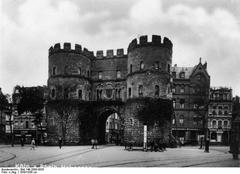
x=11 y=124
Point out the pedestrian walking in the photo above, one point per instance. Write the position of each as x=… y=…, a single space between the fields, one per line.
x=96 y=143
x=152 y=145
x=92 y=142
x=156 y=148
x=179 y=143
x=60 y=142
x=160 y=145
x=201 y=143
x=164 y=145
x=235 y=149
x=33 y=144
x=207 y=145
x=22 y=142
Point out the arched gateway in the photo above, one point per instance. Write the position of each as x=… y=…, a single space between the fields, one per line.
x=91 y=87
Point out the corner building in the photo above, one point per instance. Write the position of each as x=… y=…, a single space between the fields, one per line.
x=190 y=102
x=220 y=115
x=113 y=83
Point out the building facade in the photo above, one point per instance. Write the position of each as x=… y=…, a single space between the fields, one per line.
x=120 y=81
x=26 y=124
x=190 y=91
x=220 y=115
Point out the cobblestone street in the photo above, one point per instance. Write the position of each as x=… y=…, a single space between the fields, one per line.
x=115 y=156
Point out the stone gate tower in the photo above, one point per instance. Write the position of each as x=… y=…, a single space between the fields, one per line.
x=149 y=66
x=115 y=83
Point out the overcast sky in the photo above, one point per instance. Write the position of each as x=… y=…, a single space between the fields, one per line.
x=207 y=29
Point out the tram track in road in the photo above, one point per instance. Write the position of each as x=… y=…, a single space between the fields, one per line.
x=163 y=163
x=45 y=160
x=73 y=154
x=13 y=156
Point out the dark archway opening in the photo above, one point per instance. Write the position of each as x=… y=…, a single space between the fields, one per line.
x=110 y=128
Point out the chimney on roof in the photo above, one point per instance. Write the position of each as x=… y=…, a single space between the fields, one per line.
x=200 y=60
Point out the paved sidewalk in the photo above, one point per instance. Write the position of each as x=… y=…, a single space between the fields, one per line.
x=116 y=156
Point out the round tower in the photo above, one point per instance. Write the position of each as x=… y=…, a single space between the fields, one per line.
x=69 y=72
x=149 y=65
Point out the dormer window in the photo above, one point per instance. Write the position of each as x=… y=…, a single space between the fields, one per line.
x=198 y=77
x=141 y=65
x=182 y=75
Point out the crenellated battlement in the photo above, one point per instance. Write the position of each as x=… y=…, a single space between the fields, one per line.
x=156 y=41
x=66 y=48
x=110 y=53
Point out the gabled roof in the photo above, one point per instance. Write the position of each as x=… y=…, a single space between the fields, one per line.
x=187 y=70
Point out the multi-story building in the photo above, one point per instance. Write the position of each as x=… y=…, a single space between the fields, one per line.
x=220 y=114
x=4 y=117
x=190 y=91
x=26 y=123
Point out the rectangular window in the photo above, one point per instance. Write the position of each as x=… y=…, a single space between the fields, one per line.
x=54 y=71
x=118 y=74
x=181 y=120
x=174 y=103
x=195 y=106
x=156 y=65
x=65 y=93
x=26 y=124
x=80 y=94
x=174 y=75
x=156 y=90
x=129 y=92
x=174 y=89
x=182 y=90
x=182 y=103
x=100 y=75
x=140 y=90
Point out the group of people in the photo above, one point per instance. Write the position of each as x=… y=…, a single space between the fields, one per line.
x=33 y=143
x=94 y=143
x=158 y=146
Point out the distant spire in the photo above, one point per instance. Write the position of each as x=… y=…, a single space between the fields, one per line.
x=200 y=60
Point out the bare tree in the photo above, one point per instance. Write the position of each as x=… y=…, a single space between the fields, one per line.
x=66 y=111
